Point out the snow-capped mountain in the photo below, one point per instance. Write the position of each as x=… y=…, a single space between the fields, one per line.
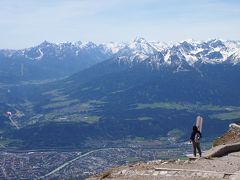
x=211 y=51
x=67 y=58
x=191 y=52
x=59 y=51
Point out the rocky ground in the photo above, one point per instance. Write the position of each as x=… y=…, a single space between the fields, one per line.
x=206 y=168
x=232 y=136
x=226 y=167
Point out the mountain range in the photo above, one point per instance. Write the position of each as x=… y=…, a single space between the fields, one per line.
x=116 y=91
x=49 y=60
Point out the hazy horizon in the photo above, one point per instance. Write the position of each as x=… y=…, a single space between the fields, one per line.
x=29 y=22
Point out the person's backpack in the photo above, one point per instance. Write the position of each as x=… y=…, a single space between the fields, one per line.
x=197 y=137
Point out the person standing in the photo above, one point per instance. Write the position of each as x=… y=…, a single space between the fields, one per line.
x=195 y=140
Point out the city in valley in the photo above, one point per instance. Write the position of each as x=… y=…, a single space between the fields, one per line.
x=76 y=164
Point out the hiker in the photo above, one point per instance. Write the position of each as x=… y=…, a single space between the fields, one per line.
x=195 y=140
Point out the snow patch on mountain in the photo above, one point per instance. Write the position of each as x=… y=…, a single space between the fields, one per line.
x=190 y=51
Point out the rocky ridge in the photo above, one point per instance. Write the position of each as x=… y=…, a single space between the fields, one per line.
x=209 y=51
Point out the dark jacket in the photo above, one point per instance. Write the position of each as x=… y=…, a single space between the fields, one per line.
x=193 y=135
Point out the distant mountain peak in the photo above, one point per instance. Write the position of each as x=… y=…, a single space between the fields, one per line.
x=139 y=40
x=88 y=44
x=46 y=43
x=190 y=41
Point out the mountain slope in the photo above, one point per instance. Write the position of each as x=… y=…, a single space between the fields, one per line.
x=49 y=60
x=114 y=101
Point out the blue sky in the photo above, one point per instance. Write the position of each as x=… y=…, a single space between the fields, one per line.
x=24 y=23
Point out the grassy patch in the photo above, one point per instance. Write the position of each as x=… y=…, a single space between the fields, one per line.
x=68 y=111
x=60 y=104
x=59 y=98
x=133 y=159
x=138 y=139
x=144 y=118
x=96 y=102
x=73 y=117
x=52 y=93
x=176 y=133
x=91 y=119
x=226 y=116
x=186 y=106
x=5 y=142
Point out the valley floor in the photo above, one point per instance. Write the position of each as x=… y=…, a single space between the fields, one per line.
x=80 y=164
